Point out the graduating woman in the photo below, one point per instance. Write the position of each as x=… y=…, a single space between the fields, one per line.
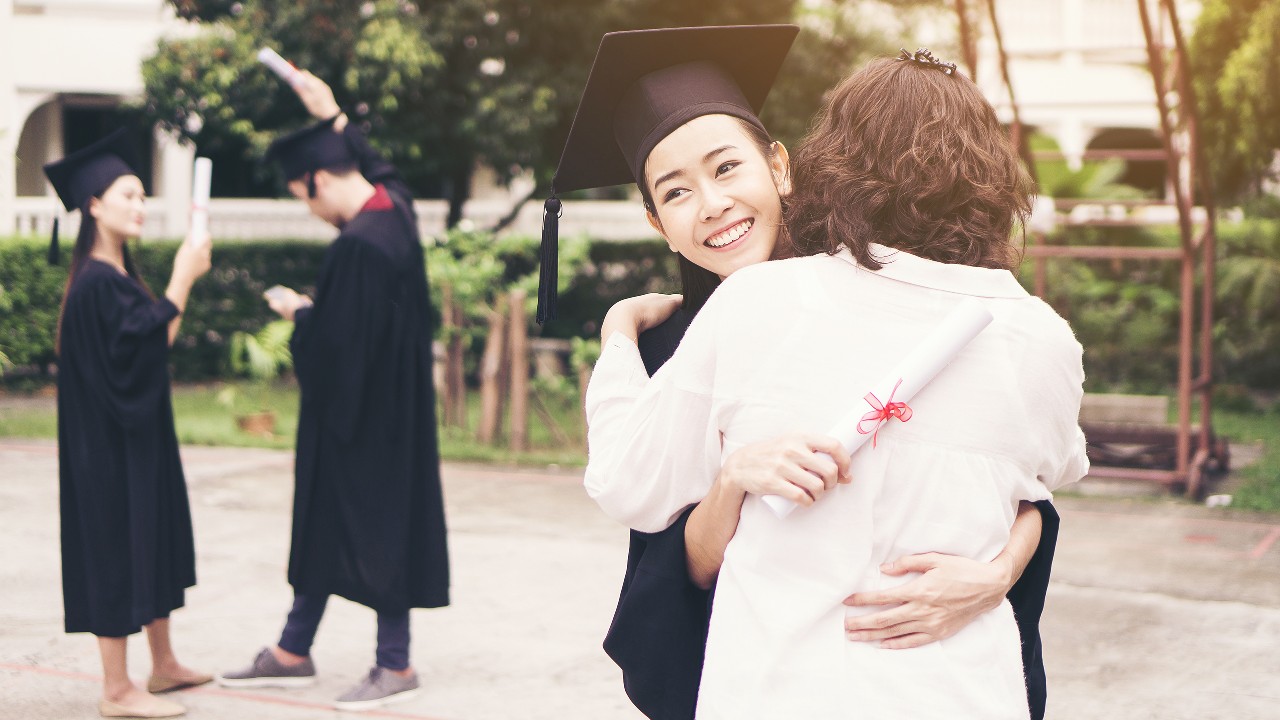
x=645 y=87
x=907 y=156
x=127 y=549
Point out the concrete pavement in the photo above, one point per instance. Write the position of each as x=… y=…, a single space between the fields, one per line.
x=1157 y=609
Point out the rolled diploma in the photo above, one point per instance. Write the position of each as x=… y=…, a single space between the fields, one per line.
x=200 y=180
x=920 y=366
x=279 y=65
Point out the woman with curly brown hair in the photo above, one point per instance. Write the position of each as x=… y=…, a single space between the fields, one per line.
x=908 y=190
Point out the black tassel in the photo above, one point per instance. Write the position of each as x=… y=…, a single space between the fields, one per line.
x=549 y=258
x=53 y=244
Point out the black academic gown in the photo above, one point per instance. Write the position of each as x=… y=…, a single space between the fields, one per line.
x=127 y=549
x=658 y=636
x=368 y=516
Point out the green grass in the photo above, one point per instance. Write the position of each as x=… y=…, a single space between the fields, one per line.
x=1259 y=483
x=26 y=421
x=203 y=416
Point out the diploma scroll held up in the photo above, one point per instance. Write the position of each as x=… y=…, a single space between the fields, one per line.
x=201 y=179
x=280 y=66
x=888 y=398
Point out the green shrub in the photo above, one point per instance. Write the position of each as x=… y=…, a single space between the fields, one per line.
x=229 y=299
x=1126 y=312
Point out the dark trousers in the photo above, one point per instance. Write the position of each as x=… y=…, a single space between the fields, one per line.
x=304 y=620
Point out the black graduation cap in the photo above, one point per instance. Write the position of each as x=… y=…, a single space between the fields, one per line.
x=315 y=147
x=643 y=85
x=87 y=172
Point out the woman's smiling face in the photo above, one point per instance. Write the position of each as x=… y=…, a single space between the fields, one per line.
x=122 y=208
x=716 y=196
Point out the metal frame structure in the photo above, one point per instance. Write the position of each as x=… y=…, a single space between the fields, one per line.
x=1194 y=449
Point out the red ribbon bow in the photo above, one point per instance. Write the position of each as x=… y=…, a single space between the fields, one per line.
x=882 y=413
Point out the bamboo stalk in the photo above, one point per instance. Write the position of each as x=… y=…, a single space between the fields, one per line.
x=518 y=343
x=490 y=381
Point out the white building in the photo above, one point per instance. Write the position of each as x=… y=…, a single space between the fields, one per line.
x=1079 y=71
x=73 y=62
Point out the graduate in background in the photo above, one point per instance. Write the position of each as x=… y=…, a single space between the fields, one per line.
x=368 y=517
x=127 y=548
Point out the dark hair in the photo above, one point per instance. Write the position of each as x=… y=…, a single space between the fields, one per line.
x=338 y=169
x=80 y=255
x=696 y=282
x=914 y=159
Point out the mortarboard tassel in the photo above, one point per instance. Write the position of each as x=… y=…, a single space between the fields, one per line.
x=53 y=244
x=549 y=259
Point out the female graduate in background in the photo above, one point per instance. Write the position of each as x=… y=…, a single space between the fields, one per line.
x=127 y=548
x=660 y=625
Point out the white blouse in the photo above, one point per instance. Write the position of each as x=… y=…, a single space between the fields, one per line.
x=789 y=346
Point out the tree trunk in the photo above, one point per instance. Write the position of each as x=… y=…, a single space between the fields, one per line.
x=490 y=370
x=459 y=192
x=518 y=333
x=506 y=220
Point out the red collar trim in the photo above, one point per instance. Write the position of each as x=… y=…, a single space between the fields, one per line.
x=380 y=201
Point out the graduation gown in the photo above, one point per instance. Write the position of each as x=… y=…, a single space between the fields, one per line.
x=127 y=548
x=658 y=635
x=368 y=516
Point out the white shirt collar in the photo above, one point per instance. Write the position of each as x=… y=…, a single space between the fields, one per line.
x=961 y=279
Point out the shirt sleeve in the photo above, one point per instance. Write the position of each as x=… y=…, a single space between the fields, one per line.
x=337 y=342
x=1066 y=460
x=653 y=446
x=374 y=167
x=135 y=363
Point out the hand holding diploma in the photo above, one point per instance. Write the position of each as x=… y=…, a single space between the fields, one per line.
x=201 y=179
x=280 y=66
x=888 y=398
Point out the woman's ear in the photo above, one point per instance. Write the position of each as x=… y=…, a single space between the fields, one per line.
x=656 y=224
x=780 y=165
x=95 y=207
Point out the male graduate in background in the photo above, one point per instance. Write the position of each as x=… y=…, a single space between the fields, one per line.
x=368 y=518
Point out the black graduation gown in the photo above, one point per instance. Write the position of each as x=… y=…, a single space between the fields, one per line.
x=368 y=516
x=658 y=636
x=127 y=548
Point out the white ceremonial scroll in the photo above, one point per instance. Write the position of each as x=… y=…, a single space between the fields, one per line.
x=888 y=398
x=202 y=176
x=280 y=66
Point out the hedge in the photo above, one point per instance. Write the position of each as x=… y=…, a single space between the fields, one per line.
x=229 y=298
x=1125 y=313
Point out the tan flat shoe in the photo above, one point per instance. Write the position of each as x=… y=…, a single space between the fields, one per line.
x=159 y=684
x=153 y=708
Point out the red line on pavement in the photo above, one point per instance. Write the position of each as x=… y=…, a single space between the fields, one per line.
x=217 y=692
x=1262 y=547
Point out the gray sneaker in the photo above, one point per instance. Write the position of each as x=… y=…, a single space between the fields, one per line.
x=267 y=671
x=380 y=687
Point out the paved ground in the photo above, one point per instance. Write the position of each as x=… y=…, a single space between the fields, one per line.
x=1158 y=610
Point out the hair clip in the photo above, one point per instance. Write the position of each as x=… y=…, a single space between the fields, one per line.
x=925 y=58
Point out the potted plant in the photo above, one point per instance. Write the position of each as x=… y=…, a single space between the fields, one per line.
x=261 y=357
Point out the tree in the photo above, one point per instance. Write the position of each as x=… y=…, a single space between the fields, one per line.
x=448 y=84
x=1235 y=63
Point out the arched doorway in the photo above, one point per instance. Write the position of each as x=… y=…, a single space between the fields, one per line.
x=1147 y=175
